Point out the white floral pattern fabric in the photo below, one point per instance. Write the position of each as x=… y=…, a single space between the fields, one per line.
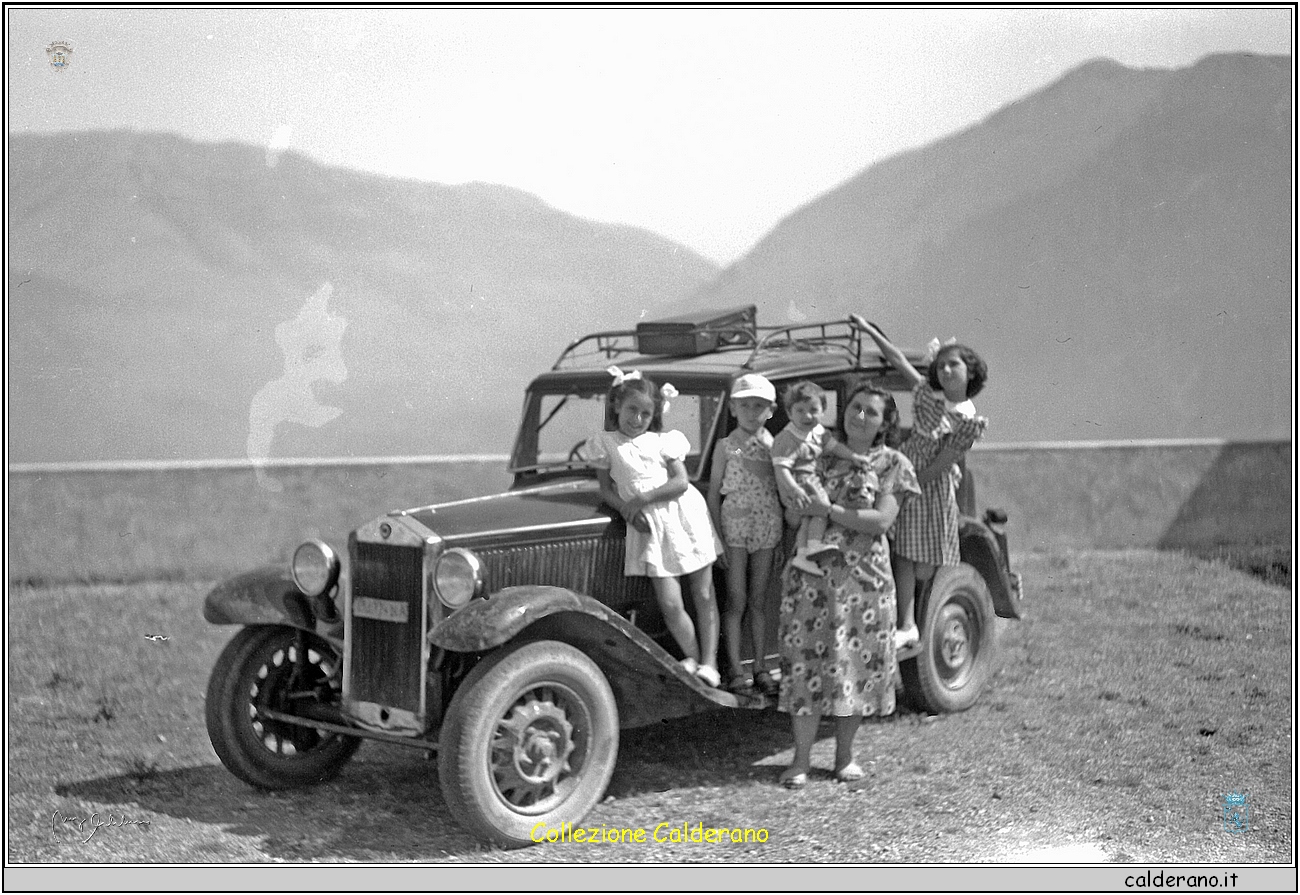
x=837 y=632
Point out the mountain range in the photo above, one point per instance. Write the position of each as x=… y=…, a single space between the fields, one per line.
x=162 y=292
x=1118 y=246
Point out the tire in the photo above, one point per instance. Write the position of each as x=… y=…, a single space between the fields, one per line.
x=958 y=643
x=255 y=670
x=530 y=738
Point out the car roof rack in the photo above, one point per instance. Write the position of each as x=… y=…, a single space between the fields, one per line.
x=829 y=336
x=714 y=332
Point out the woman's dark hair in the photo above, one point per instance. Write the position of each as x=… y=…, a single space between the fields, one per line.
x=888 y=434
x=977 y=372
x=644 y=386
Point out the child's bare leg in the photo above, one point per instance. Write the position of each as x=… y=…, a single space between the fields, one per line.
x=737 y=562
x=905 y=588
x=760 y=579
x=706 y=610
x=801 y=535
x=816 y=529
x=801 y=560
x=669 y=594
x=924 y=572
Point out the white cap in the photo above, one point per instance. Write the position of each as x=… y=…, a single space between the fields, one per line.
x=751 y=385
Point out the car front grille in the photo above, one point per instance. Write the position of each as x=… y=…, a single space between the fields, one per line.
x=387 y=654
x=592 y=566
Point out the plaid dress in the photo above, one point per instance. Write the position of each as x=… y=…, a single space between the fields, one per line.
x=927 y=527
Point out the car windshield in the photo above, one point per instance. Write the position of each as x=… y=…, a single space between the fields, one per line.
x=558 y=422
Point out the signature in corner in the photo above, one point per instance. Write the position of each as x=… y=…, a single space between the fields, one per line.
x=94 y=821
x=156 y=637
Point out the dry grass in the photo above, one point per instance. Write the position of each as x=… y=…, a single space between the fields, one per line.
x=1141 y=688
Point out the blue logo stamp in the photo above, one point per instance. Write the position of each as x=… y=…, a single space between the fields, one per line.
x=1236 y=812
x=60 y=53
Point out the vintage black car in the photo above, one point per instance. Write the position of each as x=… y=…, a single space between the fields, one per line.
x=500 y=631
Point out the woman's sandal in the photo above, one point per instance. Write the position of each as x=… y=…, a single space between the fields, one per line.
x=850 y=773
x=768 y=687
x=796 y=780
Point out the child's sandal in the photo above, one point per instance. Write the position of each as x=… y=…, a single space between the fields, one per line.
x=709 y=675
x=740 y=683
x=768 y=687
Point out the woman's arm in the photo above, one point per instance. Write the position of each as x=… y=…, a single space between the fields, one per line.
x=873 y=521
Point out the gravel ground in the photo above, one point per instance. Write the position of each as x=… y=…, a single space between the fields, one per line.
x=1120 y=715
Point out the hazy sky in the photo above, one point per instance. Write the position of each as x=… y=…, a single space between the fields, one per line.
x=707 y=126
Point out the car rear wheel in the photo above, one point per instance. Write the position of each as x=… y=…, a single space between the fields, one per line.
x=529 y=741
x=957 y=643
x=261 y=668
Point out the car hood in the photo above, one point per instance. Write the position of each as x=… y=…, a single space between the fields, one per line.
x=542 y=511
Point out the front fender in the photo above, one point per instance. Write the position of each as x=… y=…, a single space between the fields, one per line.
x=649 y=684
x=979 y=548
x=484 y=624
x=264 y=596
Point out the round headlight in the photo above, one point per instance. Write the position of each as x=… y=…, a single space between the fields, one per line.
x=457 y=577
x=315 y=567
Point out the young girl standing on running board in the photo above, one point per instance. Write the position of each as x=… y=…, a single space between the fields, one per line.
x=944 y=427
x=642 y=474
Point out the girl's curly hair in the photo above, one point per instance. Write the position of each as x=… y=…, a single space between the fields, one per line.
x=977 y=372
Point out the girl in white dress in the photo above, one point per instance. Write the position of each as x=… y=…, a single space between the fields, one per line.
x=642 y=474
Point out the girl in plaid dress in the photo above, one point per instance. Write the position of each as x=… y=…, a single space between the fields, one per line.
x=944 y=426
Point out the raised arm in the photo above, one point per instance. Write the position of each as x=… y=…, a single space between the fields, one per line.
x=891 y=352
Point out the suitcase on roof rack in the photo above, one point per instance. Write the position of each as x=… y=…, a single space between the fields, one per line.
x=692 y=334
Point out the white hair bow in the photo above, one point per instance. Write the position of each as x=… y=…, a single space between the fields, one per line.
x=668 y=392
x=932 y=349
x=620 y=377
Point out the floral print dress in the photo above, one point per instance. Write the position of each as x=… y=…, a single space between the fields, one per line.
x=837 y=632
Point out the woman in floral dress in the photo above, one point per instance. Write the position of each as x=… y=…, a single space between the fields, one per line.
x=837 y=631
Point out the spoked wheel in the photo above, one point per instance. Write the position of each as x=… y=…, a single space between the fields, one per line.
x=957 y=643
x=529 y=741
x=285 y=670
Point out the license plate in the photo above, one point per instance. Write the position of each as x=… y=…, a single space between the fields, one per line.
x=380 y=610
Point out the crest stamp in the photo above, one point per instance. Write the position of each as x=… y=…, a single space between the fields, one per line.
x=1236 y=812
x=60 y=53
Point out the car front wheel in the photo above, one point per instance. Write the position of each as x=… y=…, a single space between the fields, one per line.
x=529 y=742
x=957 y=642
x=284 y=670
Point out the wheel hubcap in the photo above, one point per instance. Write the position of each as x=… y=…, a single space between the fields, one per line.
x=533 y=749
x=956 y=645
